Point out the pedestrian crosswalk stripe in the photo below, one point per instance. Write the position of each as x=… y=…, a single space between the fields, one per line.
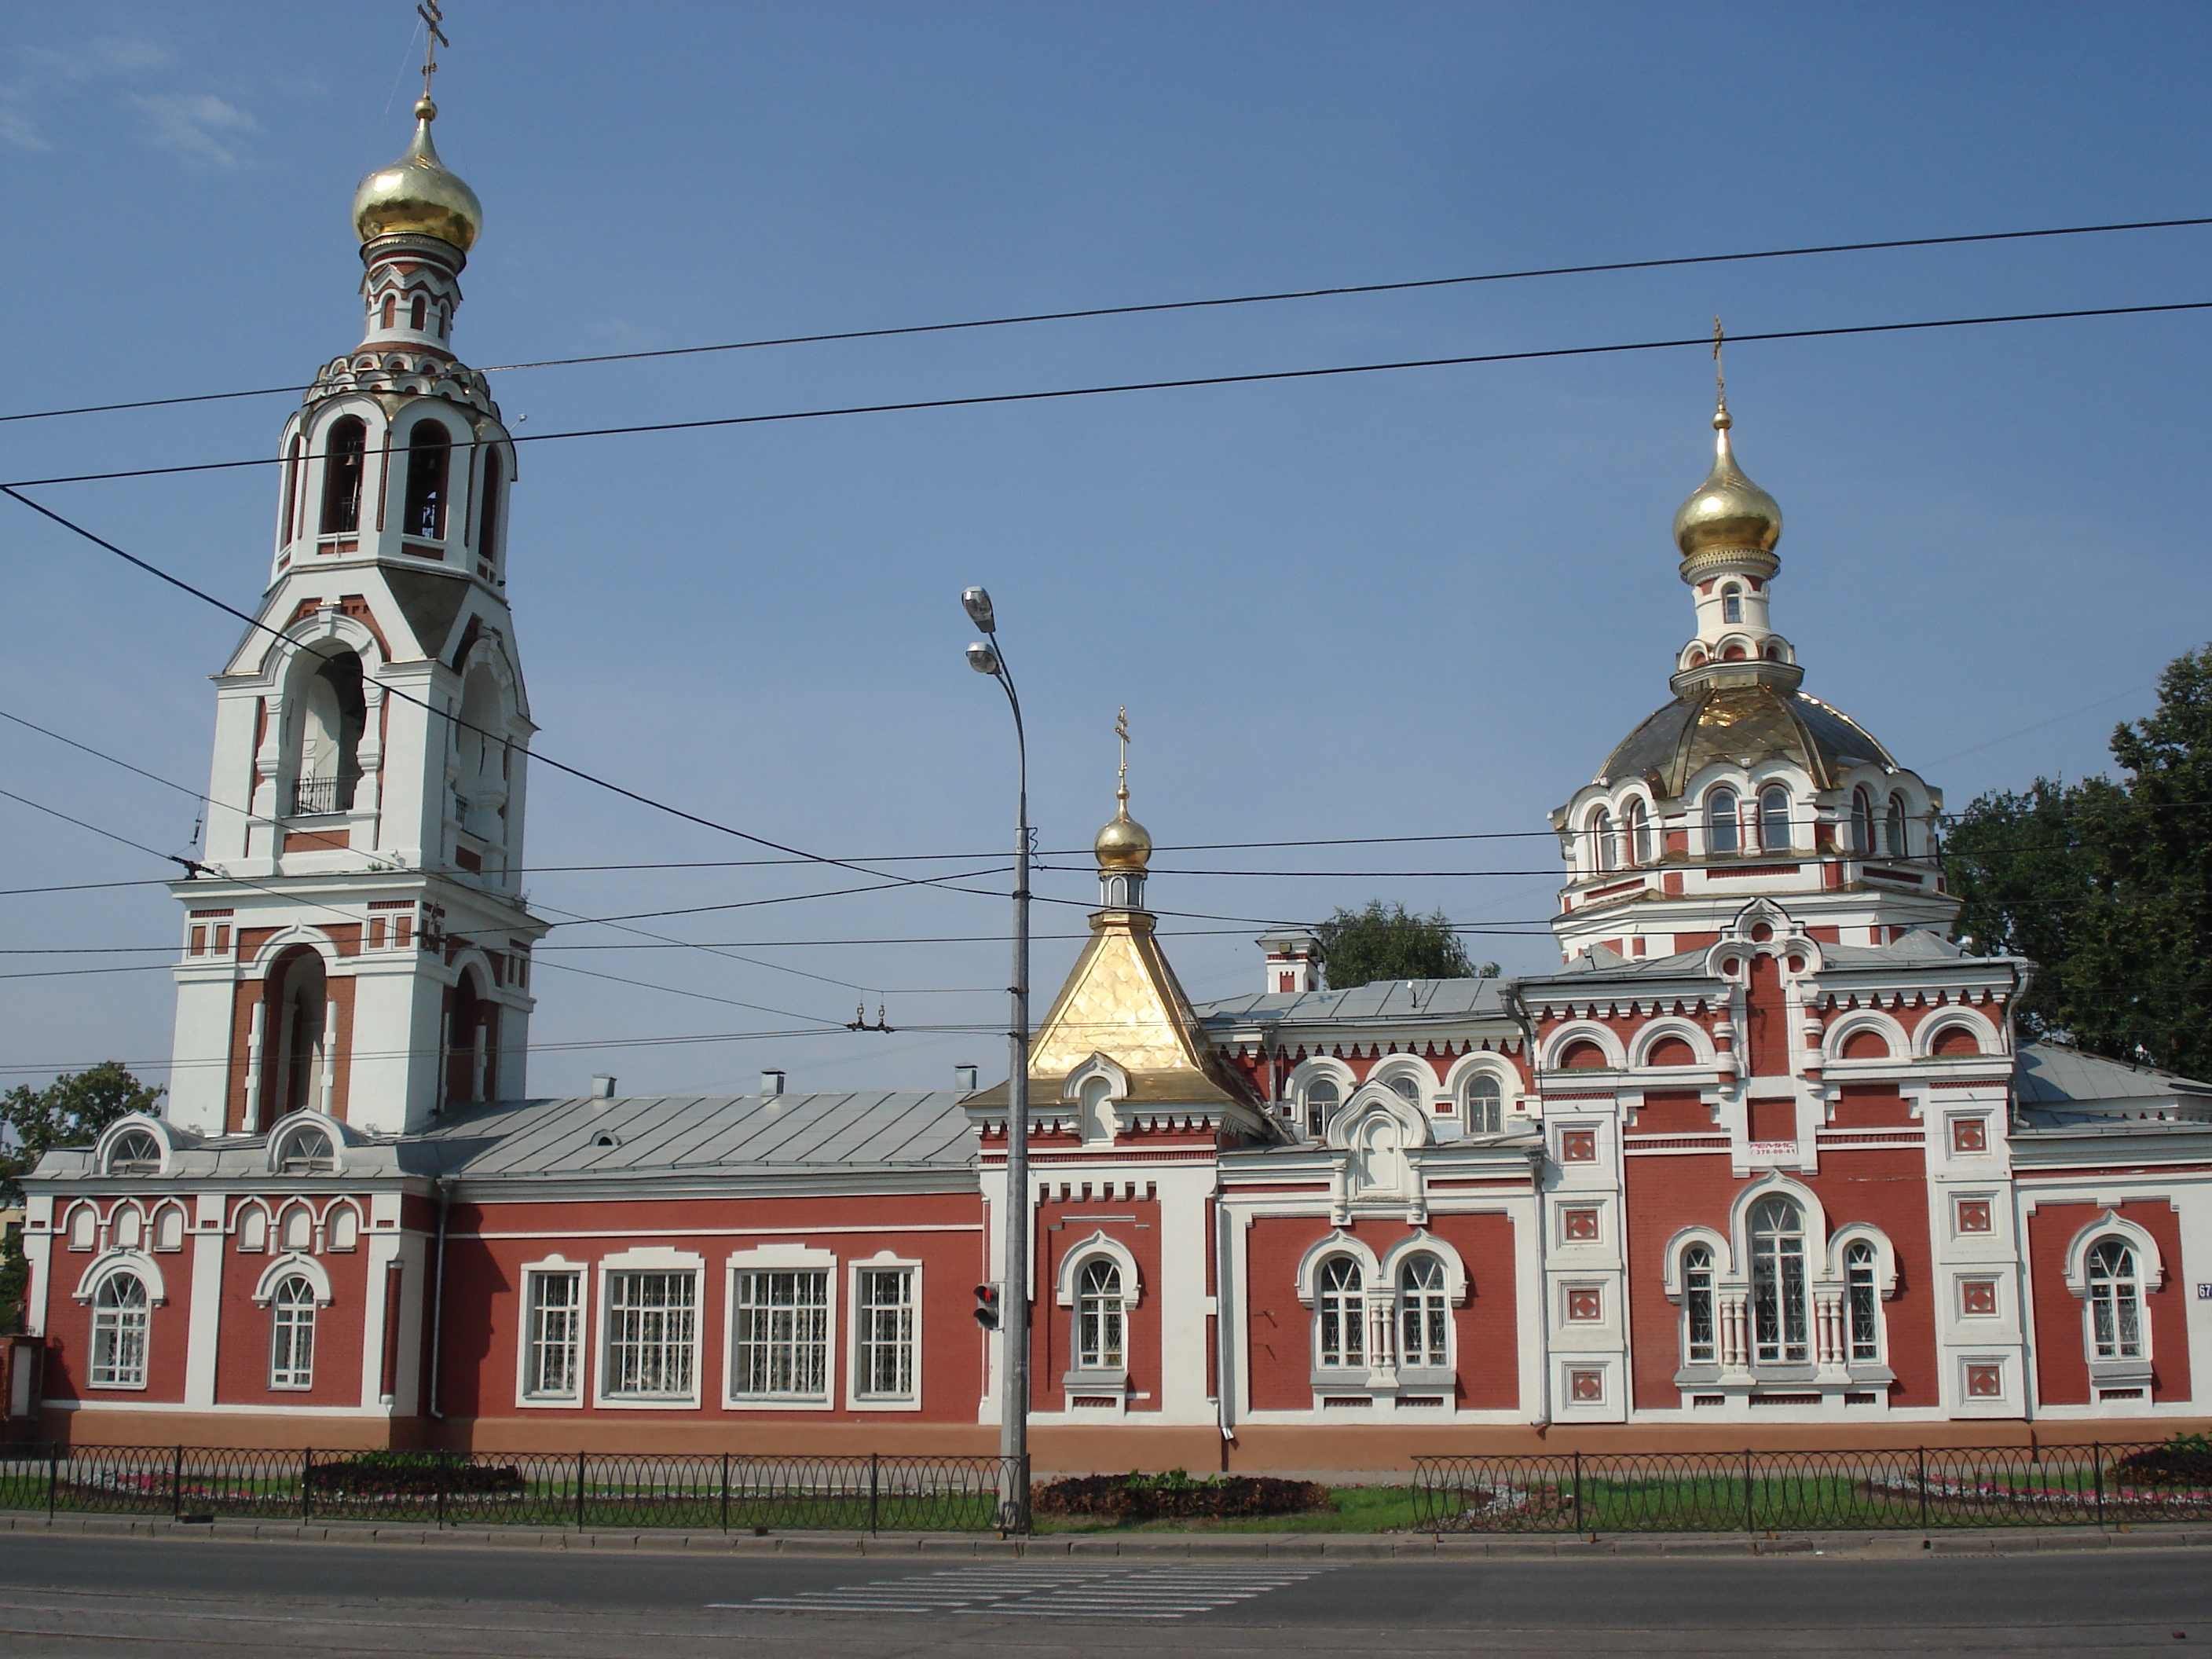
x=1065 y=1589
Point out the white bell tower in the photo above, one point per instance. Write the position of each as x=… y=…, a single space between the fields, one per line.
x=362 y=947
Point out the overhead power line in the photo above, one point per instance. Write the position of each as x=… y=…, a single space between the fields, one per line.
x=1173 y=305
x=1703 y=342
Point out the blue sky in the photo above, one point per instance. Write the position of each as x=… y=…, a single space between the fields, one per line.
x=1423 y=603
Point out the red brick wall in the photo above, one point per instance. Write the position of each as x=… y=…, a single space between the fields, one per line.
x=1871 y=1106
x=69 y=1331
x=1673 y=1112
x=1052 y=1346
x=242 y=1349
x=2062 y=1362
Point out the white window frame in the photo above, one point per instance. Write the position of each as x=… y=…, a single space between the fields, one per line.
x=1347 y=1305
x=526 y=1342
x=644 y=1261
x=856 y=1394
x=771 y=1259
x=149 y=1291
x=296 y=1316
x=1428 y=1303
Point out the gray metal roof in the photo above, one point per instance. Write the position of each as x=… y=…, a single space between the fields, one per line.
x=2052 y=1077
x=1384 y=1002
x=704 y=1134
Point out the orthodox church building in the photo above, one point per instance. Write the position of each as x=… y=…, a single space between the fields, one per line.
x=1764 y=1161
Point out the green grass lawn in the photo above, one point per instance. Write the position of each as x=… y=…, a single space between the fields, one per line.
x=1350 y=1508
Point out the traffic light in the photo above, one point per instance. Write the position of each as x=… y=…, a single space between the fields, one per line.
x=987 y=1306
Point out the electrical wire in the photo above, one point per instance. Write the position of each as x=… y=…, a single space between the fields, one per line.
x=1177 y=305
x=1703 y=342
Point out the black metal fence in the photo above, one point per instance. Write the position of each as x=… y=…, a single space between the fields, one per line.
x=586 y=1492
x=1752 y=1492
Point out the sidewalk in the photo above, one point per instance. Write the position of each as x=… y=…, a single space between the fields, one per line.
x=1447 y=1547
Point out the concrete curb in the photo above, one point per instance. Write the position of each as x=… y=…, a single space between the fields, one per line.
x=1333 y=1546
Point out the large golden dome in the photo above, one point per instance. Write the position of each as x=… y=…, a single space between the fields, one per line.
x=418 y=196
x=1728 y=512
x=1124 y=843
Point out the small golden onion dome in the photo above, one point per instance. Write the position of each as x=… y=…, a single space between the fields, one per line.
x=1123 y=844
x=418 y=196
x=1728 y=512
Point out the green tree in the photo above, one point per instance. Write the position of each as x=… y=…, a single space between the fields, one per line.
x=2108 y=886
x=1389 y=942
x=71 y=1111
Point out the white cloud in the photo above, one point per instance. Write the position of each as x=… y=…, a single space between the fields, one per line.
x=197 y=126
x=96 y=59
x=17 y=129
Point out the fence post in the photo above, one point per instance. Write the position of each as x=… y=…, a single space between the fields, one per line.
x=1579 y=1491
x=1749 y=1523
x=875 y=1488
x=1924 y=1489
x=53 y=1477
x=2097 y=1462
x=445 y=1463
x=307 y=1488
x=581 y=1468
x=725 y=1491
x=176 y=1487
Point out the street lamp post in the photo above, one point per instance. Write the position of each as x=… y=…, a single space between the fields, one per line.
x=985 y=658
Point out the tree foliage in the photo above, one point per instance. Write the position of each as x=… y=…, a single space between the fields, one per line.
x=1389 y=942
x=2108 y=886
x=71 y=1111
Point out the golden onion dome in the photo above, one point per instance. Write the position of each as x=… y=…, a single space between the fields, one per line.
x=1728 y=512
x=418 y=196
x=1124 y=843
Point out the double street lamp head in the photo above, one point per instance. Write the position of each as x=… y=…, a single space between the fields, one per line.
x=983 y=660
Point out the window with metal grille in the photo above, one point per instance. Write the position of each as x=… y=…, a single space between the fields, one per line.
x=1099 y=1317
x=554 y=1341
x=884 y=1318
x=651 y=1335
x=1866 y=1317
x=1341 y=1338
x=1778 y=1283
x=118 y=1333
x=1699 y=1346
x=782 y=1335
x=292 y=1335
x=2114 y=1301
x=1424 y=1313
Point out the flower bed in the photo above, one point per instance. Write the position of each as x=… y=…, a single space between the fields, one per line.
x=1174 y=1495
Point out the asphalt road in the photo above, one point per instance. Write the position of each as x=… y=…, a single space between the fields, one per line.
x=153 y=1598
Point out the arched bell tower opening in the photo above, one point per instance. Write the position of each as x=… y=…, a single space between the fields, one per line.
x=296 y=1032
x=472 y=1043
x=326 y=747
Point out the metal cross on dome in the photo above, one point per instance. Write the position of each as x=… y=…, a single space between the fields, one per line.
x=1122 y=731
x=432 y=17
x=1720 y=380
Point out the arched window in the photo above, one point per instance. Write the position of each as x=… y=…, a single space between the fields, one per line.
x=134 y=1151
x=1778 y=1283
x=333 y=712
x=1894 y=828
x=391 y=309
x=1639 y=833
x=1722 y=833
x=2114 y=1301
x=1322 y=1102
x=83 y=1227
x=253 y=1231
x=169 y=1230
x=292 y=1333
x=1341 y=1336
x=1774 y=819
x=306 y=1151
x=1864 y=1301
x=291 y=491
x=1699 y=1345
x=1424 y=1313
x=298 y=1233
x=1486 y=1104
x=344 y=449
x=1731 y=604
x=130 y=1229
x=488 y=508
x=1405 y=1088
x=1095 y=1109
x=471 y=1044
x=118 y=1333
x=1098 y=1316
x=416 y=312
x=1601 y=853
x=1861 y=822
x=429 y=450
x=345 y=1228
